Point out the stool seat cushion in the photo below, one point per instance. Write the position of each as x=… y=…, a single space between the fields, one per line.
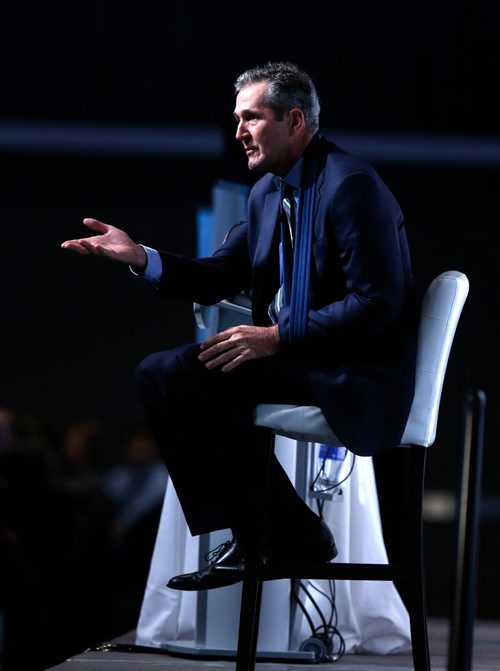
x=299 y=422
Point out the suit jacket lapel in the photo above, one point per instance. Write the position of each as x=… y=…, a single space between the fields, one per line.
x=268 y=228
x=319 y=184
x=265 y=260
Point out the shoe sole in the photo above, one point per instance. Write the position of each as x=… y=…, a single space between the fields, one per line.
x=192 y=586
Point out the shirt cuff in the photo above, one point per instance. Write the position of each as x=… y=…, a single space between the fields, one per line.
x=154 y=267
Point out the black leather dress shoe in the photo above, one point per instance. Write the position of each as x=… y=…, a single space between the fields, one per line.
x=313 y=545
x=230 y=555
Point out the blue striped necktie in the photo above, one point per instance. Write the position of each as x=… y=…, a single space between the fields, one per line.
x=295 y=262
x=287 y=219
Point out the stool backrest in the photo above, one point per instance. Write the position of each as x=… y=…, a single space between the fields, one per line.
x=441 y=309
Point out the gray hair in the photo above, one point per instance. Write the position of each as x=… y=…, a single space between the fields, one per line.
x=287 y=87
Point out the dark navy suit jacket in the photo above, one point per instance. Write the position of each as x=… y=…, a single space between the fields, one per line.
x=362 y=319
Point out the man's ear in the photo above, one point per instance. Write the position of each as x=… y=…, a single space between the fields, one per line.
x=296 y=120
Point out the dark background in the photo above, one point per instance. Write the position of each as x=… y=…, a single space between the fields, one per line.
x=73 y=328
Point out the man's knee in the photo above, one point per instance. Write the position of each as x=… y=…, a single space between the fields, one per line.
x=161 y=373
x=146 y=370
x=146 y=375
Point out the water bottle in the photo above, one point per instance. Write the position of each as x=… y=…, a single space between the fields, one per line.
x=330 y=462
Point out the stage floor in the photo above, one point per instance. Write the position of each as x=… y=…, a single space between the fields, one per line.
x=486 y=656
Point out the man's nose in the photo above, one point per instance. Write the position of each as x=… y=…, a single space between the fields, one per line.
x=241 y=130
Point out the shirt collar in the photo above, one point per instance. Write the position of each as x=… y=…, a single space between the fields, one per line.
x=293 y=176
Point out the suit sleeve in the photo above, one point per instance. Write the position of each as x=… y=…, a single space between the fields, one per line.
x=210 y=279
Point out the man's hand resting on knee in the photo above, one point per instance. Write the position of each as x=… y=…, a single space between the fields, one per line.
x=232 y=347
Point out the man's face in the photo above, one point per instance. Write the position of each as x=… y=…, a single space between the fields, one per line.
x=266 y=141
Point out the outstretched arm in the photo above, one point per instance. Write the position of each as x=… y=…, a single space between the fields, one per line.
x=111 y=243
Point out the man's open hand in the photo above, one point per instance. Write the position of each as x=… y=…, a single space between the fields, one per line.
x=111 y=243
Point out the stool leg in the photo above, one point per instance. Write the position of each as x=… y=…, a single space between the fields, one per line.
x=417 y=606
x=461 y=641
x=252 y=583
x=249 y=624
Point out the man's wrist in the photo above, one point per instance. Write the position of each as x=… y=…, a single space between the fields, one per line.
x=275 y=338
x=142 y=260
x=153 y=268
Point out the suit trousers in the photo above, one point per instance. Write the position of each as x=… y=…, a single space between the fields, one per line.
x=202 y=423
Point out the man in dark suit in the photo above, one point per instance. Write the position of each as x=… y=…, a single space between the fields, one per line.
x=343 y=340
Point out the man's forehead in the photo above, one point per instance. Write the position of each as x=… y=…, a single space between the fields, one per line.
x=251 y=95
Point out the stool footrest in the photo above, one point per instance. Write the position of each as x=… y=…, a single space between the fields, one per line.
x=334 y=571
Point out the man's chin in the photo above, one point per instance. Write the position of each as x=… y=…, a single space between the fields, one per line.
x=257 y=165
